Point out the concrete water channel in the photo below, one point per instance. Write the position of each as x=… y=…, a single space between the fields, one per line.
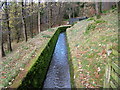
x=58 y=75
x=50 y=68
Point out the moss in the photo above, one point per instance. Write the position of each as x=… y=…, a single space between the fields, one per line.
x=36 y=75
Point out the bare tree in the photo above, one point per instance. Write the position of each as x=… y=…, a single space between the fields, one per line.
x=31 y=20
x=69 y=9
x=23 y=21
x=50 y=14
x=98 y=9
x=39 y=26
x=61 y=10
x=1 y=39
x=8 y=28
x=2 y=53
x=16 y=26
x=116 y=4
x=73 y=5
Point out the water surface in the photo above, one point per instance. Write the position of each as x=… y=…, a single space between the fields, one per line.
x=58 y=75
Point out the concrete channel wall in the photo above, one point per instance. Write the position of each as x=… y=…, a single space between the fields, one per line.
x=37 y=74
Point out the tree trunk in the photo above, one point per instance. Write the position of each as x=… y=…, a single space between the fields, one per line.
x=97 y=9
x=73 y=12
x=9 y=38
x=100 y=7
x=70 y=12
x=118 y=24
x=31 y=26
x=58 y=16
x=24 y=28
x=50 y=14
x=8 y=28
x=31 y=20
x=39 y=27
x=18 y=37
x=16 y=28
x=118 y=6
x=2 y=53
x=23 y=22
x=69 y=15
x=118 y=9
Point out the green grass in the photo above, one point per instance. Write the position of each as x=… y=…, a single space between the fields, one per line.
x=25 y=47
x=90 y=27
x=46 y=36
x=87 y=40
x=51 y=29
x=93 y=25
x=108 y=11
x=9 y=78
x=66 y=19
x=91 y=18
x=100 y=21
x=7 y=52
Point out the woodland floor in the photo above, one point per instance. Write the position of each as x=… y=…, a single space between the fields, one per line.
x=89 y=48
x=22 y=53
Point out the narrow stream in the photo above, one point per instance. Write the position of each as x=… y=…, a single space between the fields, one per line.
x=58 y=75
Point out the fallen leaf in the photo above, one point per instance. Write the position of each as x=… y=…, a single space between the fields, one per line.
x=3 y=77
x=96 y=74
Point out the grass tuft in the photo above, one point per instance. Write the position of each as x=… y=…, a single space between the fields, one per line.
x=100 y=21
x=90 y=27
x=91 y=18
x=46 y=36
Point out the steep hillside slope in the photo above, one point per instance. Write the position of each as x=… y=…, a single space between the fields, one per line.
x=88 y=43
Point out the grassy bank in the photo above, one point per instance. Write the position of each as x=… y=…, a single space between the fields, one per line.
x=88 y=42
x=15 y=62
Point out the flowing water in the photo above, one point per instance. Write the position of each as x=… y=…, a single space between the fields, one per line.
x=58 y=75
